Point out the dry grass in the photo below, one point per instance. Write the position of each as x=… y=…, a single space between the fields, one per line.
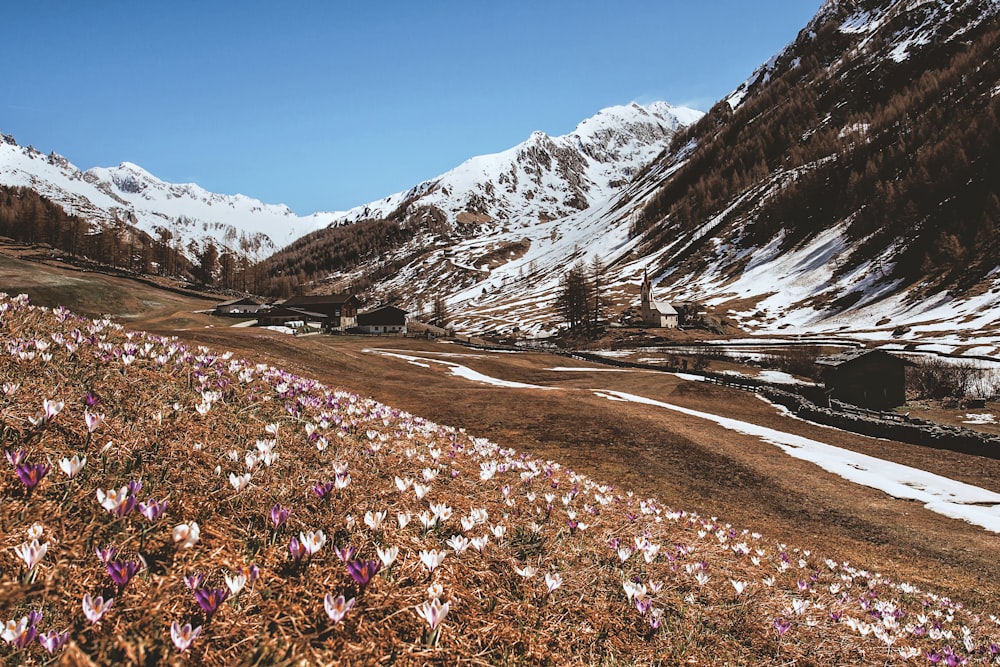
x=150 y=390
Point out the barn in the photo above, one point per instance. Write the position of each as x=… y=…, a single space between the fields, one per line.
x=383 y=320
x=340 y=309
x=872 y=379
x=240 y=307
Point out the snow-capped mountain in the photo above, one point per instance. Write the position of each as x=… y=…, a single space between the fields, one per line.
x=844 y=187
x=543 y=178
x=191 y=215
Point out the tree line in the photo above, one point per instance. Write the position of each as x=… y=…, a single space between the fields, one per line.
x=904 y=152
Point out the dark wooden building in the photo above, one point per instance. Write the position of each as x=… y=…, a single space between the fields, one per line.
x=871 y=379
x=283 y=316
x=240 y=307
x=341 y=310
x=383 y=320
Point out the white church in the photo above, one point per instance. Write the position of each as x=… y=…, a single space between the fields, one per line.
x=653 y=314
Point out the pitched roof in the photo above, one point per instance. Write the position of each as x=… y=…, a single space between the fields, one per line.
x=242 y=301
x=383 y=315
x=319 y=299
x=848 y=356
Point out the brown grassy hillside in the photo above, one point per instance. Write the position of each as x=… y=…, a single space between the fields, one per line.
x=539 y=565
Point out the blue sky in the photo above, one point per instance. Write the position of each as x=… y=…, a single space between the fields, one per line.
x=327 y=105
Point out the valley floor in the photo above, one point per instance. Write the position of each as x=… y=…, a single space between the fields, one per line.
x=688 y=461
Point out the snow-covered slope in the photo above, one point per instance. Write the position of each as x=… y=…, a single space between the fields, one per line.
x=544 y=178
x=840 y=81
x=129 y=193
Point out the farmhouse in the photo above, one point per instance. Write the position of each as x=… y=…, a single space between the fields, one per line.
x=238 y=307
x=383 y=320
x=653 y=314
x=867 y=378
x=341 y=310
x=282 y=316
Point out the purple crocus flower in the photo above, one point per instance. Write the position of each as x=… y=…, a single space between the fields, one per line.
x=53 y=641
x=362 y=571
x=105 y=554
x=121 y=572
x=782 y=626
x=194 y=581
x=279 y=515
x=16 y=457
x=322 y=489
x=345 y=554
x=297 y=549
x=126 y=506
x=32 y=474
x=209 y=599
x=91 y=399
x=153 y=509
x=134 y=487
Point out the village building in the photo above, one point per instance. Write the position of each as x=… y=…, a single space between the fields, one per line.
x=383 y=320
x=341 y=310
x=283 y=316
x=871 y=379
x=653 y=314
x=239 y=307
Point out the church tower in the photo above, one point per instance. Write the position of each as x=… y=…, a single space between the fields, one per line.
x=646 y=294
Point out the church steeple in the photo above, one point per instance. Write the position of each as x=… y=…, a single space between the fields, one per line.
x=646 y=291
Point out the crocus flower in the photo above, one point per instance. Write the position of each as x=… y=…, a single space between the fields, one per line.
x=431 y=559
x=337 y=608
x=239 y=482
x=433 y=612
x=32 y=474
x=31 y=552
x=344 y=553
x=117 y=501
x=183 y=635
x=296 y=549
x=91 y=399
x=93 y=419
x=782 y=626
x=121 y=572
x=209 y=599
x=235 y=583
x=362 y=571
x=15 y=457
x=186 y=535
x=153 y=509
x=322 y=489
x=19 y=633
x=51 y=408
x=552 y=581
x=279 y=515
x=52 y=641
x=312 y=541
x=72 y=467
x=194 y=581
x=251 y=572
x=387 y=556
x=527 y=571
x=95 y=608
x=105 y=554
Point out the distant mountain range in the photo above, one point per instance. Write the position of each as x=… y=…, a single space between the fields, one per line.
x=849 y=185
x=191 y=215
